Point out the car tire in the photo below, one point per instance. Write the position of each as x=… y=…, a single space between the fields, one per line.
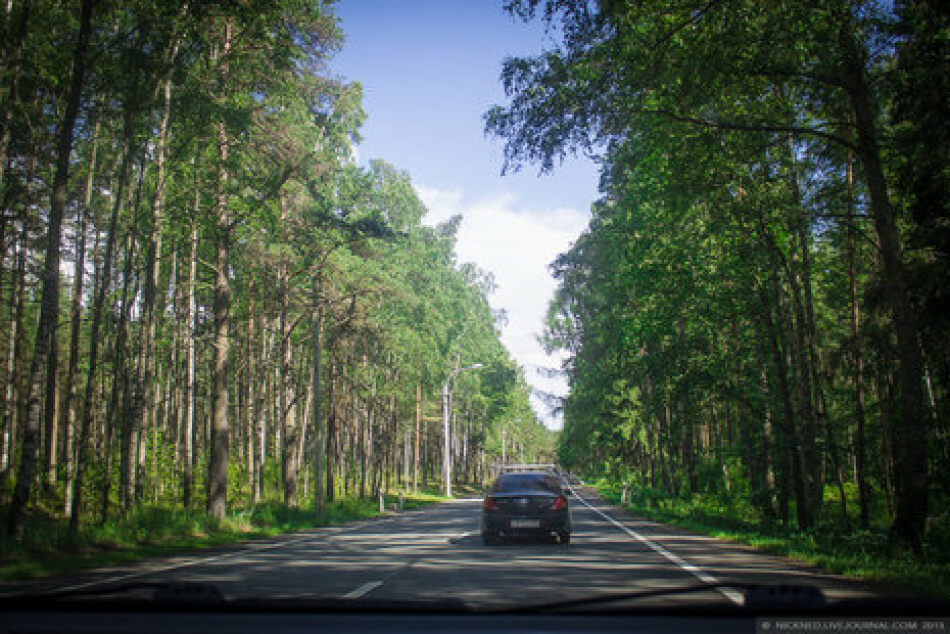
x=490 y=539
x=565 y=538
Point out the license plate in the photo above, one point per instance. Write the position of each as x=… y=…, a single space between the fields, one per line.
x=525 y=523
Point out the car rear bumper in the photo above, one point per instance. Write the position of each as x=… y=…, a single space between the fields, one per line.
x=553 y=522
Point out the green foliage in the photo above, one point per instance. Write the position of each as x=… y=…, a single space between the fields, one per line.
x=734 y=316
x=224 y=124
x=866 y=553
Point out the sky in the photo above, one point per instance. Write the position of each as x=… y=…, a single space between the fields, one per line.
x=430 y=69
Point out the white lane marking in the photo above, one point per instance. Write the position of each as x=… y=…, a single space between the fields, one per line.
x=324 y=533
x=705 y=577
x=366 y=588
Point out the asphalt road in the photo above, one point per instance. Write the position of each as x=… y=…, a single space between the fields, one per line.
x=436 y=554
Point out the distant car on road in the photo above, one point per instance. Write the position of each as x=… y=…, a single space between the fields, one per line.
x=572 y=480
x=526 y=504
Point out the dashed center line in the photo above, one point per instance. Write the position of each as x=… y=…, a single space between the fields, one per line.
x=366 y=588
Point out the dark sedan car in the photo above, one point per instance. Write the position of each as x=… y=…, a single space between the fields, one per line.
x=526 y=503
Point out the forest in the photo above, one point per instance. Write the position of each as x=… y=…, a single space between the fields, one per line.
x=757 y=314
x=206 y=303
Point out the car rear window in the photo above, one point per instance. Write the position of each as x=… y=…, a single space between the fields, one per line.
x=512 y=482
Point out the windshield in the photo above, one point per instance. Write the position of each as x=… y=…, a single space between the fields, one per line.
x=524 y=482
x=289 y=290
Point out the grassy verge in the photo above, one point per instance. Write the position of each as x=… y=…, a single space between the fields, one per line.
x=862 y=554
x=47 y=547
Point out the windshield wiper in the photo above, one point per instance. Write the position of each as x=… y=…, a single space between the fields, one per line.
x=177 y=596
x=756 y=598
x=170 y=593
x=192 y=596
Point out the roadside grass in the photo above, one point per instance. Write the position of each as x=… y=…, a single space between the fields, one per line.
x=859 y=553
x=47 y=547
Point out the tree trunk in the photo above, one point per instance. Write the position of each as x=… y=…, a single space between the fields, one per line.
x=70 y=404
x=51 y=409
x=16 y=36
x=250 y=394
x=17 y=343
x=319 y=431
x=49 y=303
x=415 y=465
x=120 y=413
x=141 y=406
x=220 y=432
x=188 y=442
x=813 y=412
x=331 y=439
x=789 y=427
x=286 y=383
x=910 y=520
x=860 y=435
x=86 y=410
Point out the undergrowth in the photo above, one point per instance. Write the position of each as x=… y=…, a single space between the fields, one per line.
x=863 y=553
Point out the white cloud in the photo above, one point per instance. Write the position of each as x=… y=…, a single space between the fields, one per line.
x=516 y=243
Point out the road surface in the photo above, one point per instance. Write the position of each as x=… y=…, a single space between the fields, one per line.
x=436 y=554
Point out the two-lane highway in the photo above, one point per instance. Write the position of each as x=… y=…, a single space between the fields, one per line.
x=436 y=554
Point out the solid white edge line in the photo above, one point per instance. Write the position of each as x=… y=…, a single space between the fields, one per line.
x=366 y=588
x=705 y=577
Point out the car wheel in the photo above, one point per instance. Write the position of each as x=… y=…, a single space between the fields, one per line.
x=490 y=539
x=565 y=538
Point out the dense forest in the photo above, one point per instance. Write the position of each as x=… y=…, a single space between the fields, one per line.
x=206 y=303
x=758 y=310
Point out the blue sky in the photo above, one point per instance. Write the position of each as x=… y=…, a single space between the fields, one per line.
x=430 y=69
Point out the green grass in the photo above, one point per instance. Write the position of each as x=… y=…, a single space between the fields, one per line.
x=47 y=547
x=863 y=554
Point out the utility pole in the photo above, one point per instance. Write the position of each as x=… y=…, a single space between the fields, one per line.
x=504 y=446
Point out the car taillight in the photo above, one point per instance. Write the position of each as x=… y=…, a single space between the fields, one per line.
x=489 y=505
x=559 y=504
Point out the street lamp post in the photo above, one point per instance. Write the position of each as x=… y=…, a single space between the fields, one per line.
x=504 y=446
x=447 y=455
